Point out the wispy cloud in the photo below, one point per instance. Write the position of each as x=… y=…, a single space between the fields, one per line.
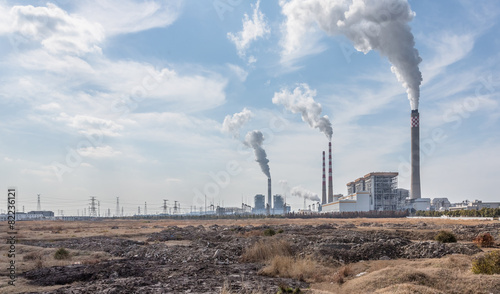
x=253 y=29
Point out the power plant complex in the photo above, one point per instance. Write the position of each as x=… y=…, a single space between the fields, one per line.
x=379 y=190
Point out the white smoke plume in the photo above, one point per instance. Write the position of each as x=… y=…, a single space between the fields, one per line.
x=301 y=100
x=304 y=193
x=284 y=187
x=380 y=25
x=255 y=139
x=232 y=124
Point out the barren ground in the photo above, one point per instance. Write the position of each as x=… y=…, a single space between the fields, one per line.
x=238 y=256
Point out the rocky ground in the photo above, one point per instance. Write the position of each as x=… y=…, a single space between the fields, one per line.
x=198 y=259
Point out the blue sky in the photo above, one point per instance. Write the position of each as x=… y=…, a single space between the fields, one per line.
x=127 y=99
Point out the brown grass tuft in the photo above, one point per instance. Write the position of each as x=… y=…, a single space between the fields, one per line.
x=340 y=276
x=304 y=269
x=265 y=250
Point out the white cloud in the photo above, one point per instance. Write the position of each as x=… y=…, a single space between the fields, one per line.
x=127 y=16
x=98 y=152
x=238 y=71
x=253 y=28
x=56 y=30
x=89 y=125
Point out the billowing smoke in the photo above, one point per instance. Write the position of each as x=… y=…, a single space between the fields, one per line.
x=255 y=139
x=232 y=124
x=301 y=100
x=304 y=193
x=380 y=25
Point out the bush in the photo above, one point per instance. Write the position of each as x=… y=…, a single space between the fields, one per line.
x=484 y=240
x=488 y=264
x=61 y=253
x=269 y=232
x=344 y=272
x=445 y=237
x=285 y=289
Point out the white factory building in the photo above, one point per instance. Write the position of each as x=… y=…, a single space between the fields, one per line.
x=375 y=191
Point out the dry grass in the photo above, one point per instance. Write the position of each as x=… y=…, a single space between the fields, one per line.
x=304 y=269
x=446 y=275
x=342 y=274
x=267 y=249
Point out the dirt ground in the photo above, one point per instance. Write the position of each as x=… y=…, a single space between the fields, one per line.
x=248 y=256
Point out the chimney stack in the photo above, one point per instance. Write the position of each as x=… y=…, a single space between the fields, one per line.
x=323 y=187
x=330 y=181
x=415 y=155
x=269 y=195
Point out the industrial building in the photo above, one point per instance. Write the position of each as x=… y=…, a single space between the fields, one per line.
x=375 y=191
x=259 y=204
x=476 y=204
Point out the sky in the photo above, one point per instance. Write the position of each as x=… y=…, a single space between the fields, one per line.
x=128 y=98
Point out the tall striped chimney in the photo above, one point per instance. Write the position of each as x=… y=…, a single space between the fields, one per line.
x=330 y=181
x=415 y=155
x=323 y=187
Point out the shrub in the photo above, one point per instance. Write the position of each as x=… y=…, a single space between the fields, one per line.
x=269 y=232
x=488 y=264
x=445 y=237
x=266 y=250
x=484 y=240
x=280 y=231
x=285 y=289
x=61 y=253
x=341 y=274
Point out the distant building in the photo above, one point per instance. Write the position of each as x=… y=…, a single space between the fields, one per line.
x=279 y=204
x=45 y=213
x=440 y=204
x=374 y=191
x=259 y=204
x=477 y=205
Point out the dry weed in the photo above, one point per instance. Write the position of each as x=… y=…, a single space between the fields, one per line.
x=265 y=250
x=304 y=269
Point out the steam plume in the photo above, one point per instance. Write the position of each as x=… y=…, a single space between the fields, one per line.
x=232 y=124
x=303 y=193
x=255 y=139
x=302 y=101
x=380 y=25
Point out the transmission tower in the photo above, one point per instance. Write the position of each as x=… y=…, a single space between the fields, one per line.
x=38 y=206
x=117 y=206
x=138 y=210
x=98 y=208
x=145 y=208
x=175 y=206
x=122 y=210
x=165 y=206
x=92 y=207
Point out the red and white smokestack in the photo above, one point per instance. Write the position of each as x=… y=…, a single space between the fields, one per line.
x=323 y=186
x=415 y=155
x=330 y=181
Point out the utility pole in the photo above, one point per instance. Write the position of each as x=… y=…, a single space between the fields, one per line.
x=38 y=206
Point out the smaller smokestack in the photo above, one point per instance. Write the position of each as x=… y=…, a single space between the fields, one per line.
x=269 y=204
x=415 y=155
x=330 y=180
x=323 y=186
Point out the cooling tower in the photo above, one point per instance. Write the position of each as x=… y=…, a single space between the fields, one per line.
x=323 y=187
x=330 y=181
x=415 y=155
